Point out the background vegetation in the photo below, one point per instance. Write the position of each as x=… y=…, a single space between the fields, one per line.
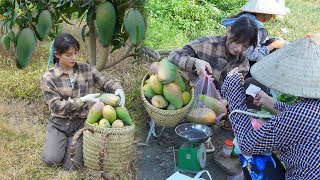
x=170 y=24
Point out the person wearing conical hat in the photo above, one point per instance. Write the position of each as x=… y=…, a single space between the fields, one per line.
x=260 y=11
x=294 y=132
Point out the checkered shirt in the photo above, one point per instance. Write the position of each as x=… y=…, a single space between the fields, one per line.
x=294 y=132
x=62 y=94
x=213 y=50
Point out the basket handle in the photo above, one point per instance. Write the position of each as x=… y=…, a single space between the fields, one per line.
x=251 y=114
x=101 y=148
x=74 y=142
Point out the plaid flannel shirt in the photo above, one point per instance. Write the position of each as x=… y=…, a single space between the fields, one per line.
x=62 y=94
x=294 y=132
x=213 y=50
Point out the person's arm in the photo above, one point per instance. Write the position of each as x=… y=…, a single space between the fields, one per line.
x=58 y=105
x=256 y=53
x=250 y=140
x=104 y=83
x=184 y=58
x=263 y=98
x=244 y=66
x=187 y=59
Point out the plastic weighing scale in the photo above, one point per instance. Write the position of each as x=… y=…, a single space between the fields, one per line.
x=192 y=154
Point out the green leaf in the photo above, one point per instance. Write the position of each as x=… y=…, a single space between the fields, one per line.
x=90 y=14
x=83 y=33
x=65 y=19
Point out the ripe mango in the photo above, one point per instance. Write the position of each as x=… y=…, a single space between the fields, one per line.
x=109 y=113
x=105 y=22
x=148 y=92
x=25 y=45
x=110 y=99
x=173 y=94
x=104 y=123
x=155 y=84
x=159 y=101
x=134 y=25
x=117 y=124
x=171 y=107
x=153 y=69
x=95 y=113
x=179 y=81
x=123 y=114
x=166 y=71
x=217 y=106
x=186 y=97
x=201 y=115
x=44 y=23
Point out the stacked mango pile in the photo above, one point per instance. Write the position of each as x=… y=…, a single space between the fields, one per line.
x=165 y=88
x=107 y=113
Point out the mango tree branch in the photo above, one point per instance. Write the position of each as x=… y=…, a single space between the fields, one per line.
x=126 y=54
x=104 y=58
x=124 y=5
x=92 y=46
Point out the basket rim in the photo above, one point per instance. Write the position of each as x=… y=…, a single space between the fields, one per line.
x=146 y=102
x=104 y=130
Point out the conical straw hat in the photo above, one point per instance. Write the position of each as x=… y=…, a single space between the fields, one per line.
x=293 y=69
x=264 y=7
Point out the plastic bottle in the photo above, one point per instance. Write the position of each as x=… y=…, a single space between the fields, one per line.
x=227 y=148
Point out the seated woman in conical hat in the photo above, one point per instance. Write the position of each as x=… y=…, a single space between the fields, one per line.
x=294 y=132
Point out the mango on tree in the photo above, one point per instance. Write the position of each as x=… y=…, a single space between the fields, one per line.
x=44 y=23
x=25 y=45
x=105 y=22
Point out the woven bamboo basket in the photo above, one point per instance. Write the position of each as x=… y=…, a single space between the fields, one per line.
x=168 y=118
x=117 y=154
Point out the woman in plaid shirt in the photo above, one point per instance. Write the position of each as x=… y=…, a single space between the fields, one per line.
x=67 y=87
x=294 y=132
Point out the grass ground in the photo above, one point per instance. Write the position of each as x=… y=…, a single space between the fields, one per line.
x=22 y=122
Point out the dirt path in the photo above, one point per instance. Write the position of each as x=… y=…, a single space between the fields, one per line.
x=155 y=161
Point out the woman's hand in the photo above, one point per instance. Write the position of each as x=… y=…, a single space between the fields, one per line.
x=202 y=67
x=261 y=98
x=120 y=93
x=236 y=71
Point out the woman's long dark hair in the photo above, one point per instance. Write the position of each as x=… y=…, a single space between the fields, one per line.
x=244 y=30
x=63 y=42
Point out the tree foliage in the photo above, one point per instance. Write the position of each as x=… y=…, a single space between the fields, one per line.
x=17 y=15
